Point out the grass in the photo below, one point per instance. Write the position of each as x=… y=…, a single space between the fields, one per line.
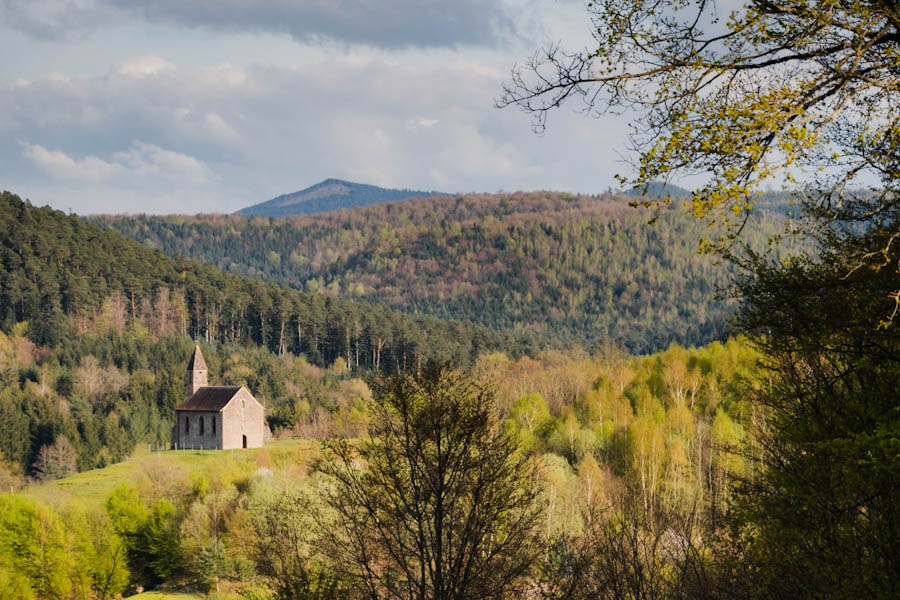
x=181 y=596
x=165 y=596
x=95 y=485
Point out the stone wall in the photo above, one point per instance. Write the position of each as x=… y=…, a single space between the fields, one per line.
x=197 y=436
x=243 y=416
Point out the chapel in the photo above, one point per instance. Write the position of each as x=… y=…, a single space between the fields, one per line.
x=216 y=417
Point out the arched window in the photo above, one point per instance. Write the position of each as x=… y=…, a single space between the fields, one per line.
x=202 y=425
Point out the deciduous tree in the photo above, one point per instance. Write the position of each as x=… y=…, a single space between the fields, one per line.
x=770 y=92
x=439 y=503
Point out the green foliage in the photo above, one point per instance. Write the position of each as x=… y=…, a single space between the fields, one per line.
x=287 y=544
x=35 y=543
x=48 y=554
x=820 y=516
x=14 y=584
x=438 y=502
x=257 y=517
x=149 y=533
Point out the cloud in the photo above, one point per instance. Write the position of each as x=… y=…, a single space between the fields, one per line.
x=143 y=66
x=62 y=166
x=56 y=19
x=381 y=23
x=417 y=123
x=218 y=138
x=141 y=160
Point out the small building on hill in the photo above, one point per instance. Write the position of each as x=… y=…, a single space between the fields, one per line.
x=217 y=417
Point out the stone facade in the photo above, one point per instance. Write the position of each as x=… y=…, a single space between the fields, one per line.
x=243 y=422
x=199 y=430
x=217 y=417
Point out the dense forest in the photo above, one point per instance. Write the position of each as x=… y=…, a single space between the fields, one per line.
x=59 y=273
x=572 y=269
x=96 y=333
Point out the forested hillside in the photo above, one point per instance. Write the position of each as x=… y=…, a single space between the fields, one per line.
x=609 y=438
x=95 y=333
x=574 y=269
x=59 y=272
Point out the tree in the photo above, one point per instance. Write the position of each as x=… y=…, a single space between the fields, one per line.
x=806 y=92
x=438 y=503
x=36 y=548
x=769 y=93
x=150 y=534
x=626 y=554
x=284 y=549
x=56 y=460
x=821 y=514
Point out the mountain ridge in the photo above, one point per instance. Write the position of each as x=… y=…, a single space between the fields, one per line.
x=329 y=195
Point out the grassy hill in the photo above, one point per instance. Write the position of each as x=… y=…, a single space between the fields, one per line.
x=328 y=195
x=171 y=474
x=91 y=488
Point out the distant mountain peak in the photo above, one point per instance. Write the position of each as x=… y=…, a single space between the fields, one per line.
x=330 y=194
x=656 y=189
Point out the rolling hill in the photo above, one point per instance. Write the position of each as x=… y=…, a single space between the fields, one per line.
x=571 y=269
x=329 y=195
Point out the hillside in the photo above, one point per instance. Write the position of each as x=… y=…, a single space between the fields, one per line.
x=96 y=329
x=572 y=269
x=331 y=194
x=92 y=487
x=59 y=271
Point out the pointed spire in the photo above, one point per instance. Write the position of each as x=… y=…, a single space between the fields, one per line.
x=197 y=361
x=197 y=372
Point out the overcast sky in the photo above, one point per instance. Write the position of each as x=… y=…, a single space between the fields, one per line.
x=212 y=105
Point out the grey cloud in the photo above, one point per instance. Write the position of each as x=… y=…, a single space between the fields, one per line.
x=385 y=23
x=55 y=19
x=381 y=23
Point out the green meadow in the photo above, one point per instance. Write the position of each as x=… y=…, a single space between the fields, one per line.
x=180 y=596
x=95 y=485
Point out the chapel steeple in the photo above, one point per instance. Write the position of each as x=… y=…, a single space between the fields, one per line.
x=197 y=372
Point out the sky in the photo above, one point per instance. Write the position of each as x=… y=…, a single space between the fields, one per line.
x=169 y=106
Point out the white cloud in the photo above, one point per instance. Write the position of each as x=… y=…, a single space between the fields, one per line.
x=141 y=160
x=143 y=66
x=420 y=123
x=62 y=166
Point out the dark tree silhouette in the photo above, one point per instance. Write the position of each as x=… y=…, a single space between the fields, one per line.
x=439 y=502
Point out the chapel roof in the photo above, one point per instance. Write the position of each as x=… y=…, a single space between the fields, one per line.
x=210 y=398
